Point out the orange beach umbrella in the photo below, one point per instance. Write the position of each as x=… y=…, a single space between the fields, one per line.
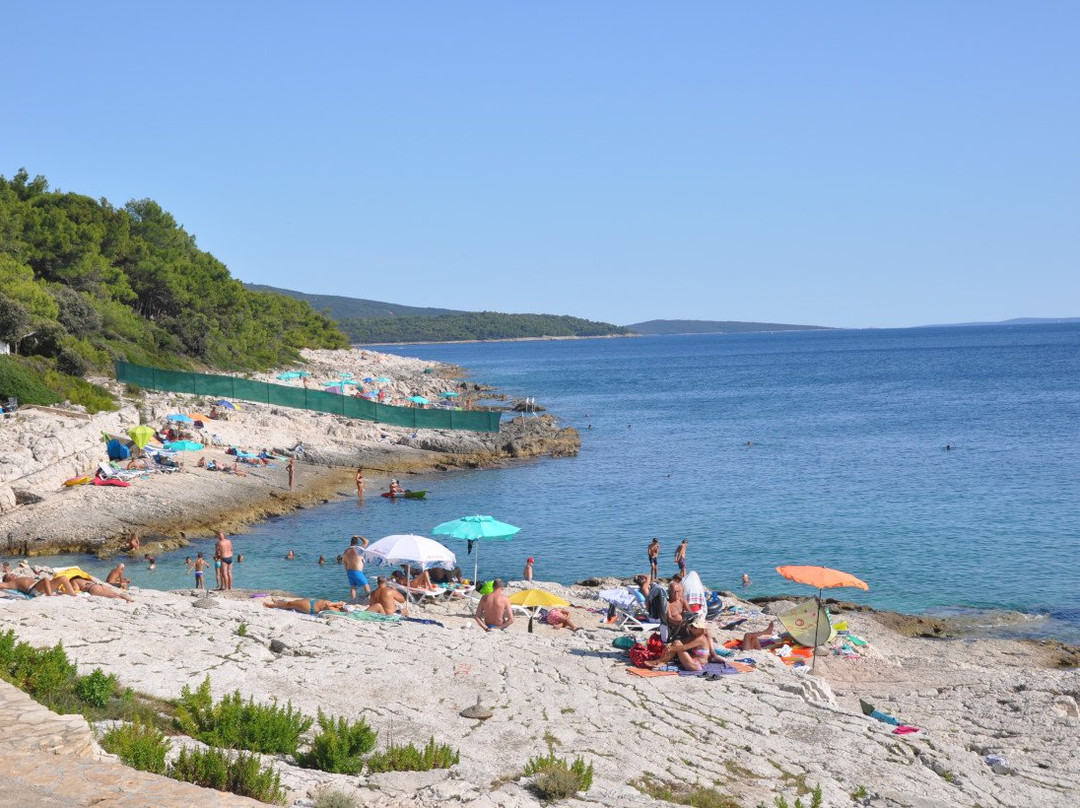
x=821 y=577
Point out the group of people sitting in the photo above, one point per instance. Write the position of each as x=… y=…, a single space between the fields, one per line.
x=688 y=638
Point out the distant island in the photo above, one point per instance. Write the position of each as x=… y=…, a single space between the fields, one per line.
x=1013 y=321
x=372 y=321
x=653 y=327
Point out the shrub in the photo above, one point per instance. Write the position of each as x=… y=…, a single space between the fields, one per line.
x=18 y=379
x=47 y=675
x=232 y=723
x=243 y=775
x=138 y=745
x=332 y=798
x=71 y=363
x=96 y=689
x=695 y=796
x=410 y=759
x=241 y=630
x=80 y=391
x=555 y=779
x=339 y=745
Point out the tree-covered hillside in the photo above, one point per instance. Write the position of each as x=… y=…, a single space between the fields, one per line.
x=83 y=282
x=353 y=308
x=473 y=325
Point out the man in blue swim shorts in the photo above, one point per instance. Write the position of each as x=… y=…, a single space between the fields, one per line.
x=354 y=567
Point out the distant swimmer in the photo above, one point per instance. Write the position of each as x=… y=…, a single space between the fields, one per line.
x=746 y=579
x=749 y=443
x=948 y=447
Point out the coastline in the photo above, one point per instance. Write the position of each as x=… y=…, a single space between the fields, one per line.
x=41 y=449
x=504 y=339
x=996 y=722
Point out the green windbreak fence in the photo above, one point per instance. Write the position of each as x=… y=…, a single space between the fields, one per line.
x=204 y=384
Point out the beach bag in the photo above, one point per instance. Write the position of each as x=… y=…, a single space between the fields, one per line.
x=639 y=655
x=625 y=642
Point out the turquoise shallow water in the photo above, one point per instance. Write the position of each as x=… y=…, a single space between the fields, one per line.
x=847 y=468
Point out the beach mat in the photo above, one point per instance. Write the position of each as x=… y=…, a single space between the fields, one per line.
x=649 y=673
x=366 y=616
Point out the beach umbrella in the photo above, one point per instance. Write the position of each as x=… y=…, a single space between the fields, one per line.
x=476 y=528
x=179 y=418
x=226 y=404
x=183 y=446
x=448 y=394
x=821 y=578
x=287 y=375
x=534 y=599
x=140 y=435
x=368 y=379
x=418 y=400
x=393 y=551
x=382 y=380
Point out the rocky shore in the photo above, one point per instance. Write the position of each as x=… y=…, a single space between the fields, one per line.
x=998 y=724
x=40 y=448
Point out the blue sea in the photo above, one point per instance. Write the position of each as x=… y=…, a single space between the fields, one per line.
x=823 y=447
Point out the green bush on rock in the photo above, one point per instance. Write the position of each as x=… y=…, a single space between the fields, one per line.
x=236 y=724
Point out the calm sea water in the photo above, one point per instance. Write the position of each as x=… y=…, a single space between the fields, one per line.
x=764 y=449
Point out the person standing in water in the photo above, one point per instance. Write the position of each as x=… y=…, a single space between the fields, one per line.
x=654 y=556
x=225 y=553
x=353 y=560
x=527 y=575
x=360 y=484
x=680 y=556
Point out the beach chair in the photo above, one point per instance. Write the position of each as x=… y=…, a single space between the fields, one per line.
x=625 y=604
x=418 y=597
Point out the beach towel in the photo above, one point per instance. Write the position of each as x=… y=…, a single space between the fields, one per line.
x=649 y=673
x=367 y=617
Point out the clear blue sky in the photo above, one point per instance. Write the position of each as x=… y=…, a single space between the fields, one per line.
x=852 y=164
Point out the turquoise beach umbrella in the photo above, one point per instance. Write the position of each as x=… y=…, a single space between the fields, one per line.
x=476 y=528
x=418 y=400
x=448 y=394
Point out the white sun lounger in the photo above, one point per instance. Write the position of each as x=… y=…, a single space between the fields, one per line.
x=625 y=604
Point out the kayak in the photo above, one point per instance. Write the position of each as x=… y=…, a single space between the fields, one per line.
x=404 y=495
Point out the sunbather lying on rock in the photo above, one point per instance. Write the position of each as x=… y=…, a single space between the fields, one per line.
x=751 y=641
x=692 y=652
x=33 y=587
x=81 y=584
x=306 y=605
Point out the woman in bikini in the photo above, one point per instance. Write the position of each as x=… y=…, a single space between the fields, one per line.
x=310 y=606
x=81 y=584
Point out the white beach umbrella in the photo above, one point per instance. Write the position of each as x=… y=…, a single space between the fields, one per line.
x=393 y=551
